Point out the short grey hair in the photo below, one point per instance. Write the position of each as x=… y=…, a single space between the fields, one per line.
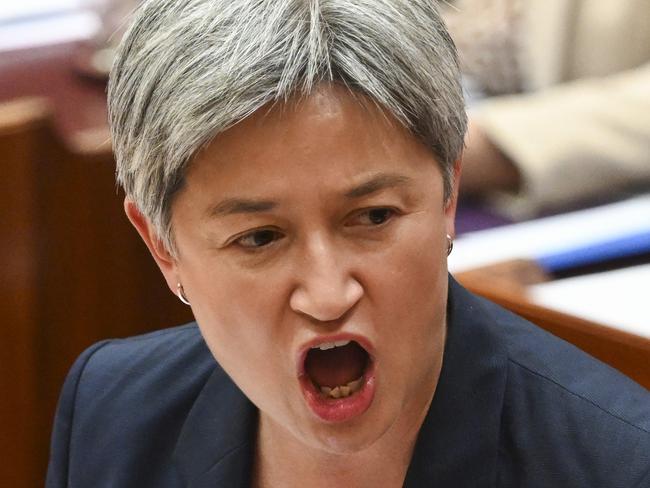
x=188 y=70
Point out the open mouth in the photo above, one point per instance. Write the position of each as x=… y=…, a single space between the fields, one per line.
x=338 y=379
x=336 y=368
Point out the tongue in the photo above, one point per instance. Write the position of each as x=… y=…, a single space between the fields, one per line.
x=337 y=366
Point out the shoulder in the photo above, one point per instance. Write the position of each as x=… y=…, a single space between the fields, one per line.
x=162 y=362
x=542 y=361
x=567 y=417
x=131 y=397
x=160 y=349
x=167 y=365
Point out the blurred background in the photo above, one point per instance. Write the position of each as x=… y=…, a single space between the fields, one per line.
x=555 y=188
x=73 y=271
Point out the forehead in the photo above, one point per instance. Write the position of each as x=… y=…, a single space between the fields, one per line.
x=327 y=141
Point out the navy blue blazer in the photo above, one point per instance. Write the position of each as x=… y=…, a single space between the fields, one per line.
x=515 y=407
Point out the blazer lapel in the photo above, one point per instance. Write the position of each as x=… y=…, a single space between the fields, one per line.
x=458 y=441
x=216 y=445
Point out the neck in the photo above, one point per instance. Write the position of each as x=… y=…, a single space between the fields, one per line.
x=292 y=464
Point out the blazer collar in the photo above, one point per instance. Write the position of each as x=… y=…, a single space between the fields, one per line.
x=216 y=444
x=458 y=441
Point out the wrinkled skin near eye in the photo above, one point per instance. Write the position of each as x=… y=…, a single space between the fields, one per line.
x=258 y=238
x=375 y=216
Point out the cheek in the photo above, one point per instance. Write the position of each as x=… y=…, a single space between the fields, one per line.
x=243 y=327
x=411 y=285
x=416 y=261
x=245 y=343
x=416 y=328
x=239 y=319
x=238 y=299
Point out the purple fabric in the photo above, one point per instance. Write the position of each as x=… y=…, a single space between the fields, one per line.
x=471 y=217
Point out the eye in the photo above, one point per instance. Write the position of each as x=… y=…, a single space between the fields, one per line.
x=258 y=239
x=374 y=216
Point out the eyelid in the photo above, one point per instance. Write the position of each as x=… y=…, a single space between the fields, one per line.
x=236 y=239
x=279 y=235
x=364 y=211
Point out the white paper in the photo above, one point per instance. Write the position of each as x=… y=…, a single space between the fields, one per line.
x=20 y=9
x=618 y=299
x=529 y=240
x=49 y=30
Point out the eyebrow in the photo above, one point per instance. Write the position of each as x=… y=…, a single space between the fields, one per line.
x=240 y=206
x=377 y=183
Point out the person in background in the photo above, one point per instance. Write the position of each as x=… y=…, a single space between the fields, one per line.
x=96 y=60
x=569 y=115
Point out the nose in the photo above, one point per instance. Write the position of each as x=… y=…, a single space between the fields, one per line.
x=326 y=289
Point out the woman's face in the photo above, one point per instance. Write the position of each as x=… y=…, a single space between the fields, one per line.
x=317 y=222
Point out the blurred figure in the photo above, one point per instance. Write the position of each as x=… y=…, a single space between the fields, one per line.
x=113 y=15
x=573 y=123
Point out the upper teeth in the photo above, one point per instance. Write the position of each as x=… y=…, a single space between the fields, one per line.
x=331 y=345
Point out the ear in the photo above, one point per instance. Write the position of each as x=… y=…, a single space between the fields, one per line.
x=161 y=255
x=450 y=205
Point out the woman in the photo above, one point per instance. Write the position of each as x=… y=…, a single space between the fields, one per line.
x=293 y=168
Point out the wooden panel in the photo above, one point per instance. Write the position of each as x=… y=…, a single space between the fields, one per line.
x=19 y=124
x=76 y=273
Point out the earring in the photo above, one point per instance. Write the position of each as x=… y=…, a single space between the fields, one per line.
x=450 y=244
x=181 y=294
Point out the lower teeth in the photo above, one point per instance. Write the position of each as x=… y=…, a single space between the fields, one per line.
x=343 y=391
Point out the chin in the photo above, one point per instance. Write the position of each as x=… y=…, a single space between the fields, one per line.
x=354 y=436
